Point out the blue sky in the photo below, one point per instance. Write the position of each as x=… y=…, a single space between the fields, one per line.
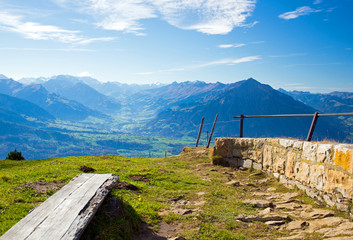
x=294 y=44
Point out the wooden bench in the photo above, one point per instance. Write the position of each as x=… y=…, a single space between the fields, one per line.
x=66 y=214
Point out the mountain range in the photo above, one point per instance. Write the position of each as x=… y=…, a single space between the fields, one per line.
x=60 y=107
x=67 y=107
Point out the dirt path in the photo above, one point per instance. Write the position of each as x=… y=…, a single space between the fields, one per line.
x=283 y=211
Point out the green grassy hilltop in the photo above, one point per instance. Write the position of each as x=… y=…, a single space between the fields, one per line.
x=182 y=195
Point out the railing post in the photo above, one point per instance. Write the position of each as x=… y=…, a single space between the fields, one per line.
x=200 y=130
x=241 y=125
x=214 y=124
x=312 y=127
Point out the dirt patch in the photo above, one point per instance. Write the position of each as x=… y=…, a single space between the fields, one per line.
x=86 y=169
x=139 y=178
x=127 y=186
x=43 y=187
x=166 y=231
x=146 y=233
x=169 y=230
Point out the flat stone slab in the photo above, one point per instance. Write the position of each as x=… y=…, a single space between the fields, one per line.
x=66 y=214
x=264 y=218
x=258 y=203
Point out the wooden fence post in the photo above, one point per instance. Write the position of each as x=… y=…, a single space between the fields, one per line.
x=241 y=125
x=200 y=130
x=214 y=124
x=312 y=127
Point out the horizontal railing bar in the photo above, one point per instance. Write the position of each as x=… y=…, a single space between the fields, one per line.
x=296 y=115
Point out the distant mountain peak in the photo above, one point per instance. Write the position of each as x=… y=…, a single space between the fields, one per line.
x=252 y=80
x=2 y=76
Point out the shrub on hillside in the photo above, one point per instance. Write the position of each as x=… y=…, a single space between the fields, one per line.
x=15 y=155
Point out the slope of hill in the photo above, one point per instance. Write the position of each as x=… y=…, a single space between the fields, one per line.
x=74 y=89
x=336 y=102
x=31 y=80
x=148 y=103
x=56 y=105
x=247 y=97
x=22 y=108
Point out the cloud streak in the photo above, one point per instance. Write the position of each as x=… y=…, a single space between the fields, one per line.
x=36 y=31
x=301 y=11
x=227 y=61
x=208 y=16
x=237 y=45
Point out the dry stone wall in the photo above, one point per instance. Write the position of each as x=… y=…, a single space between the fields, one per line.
x=323 y=170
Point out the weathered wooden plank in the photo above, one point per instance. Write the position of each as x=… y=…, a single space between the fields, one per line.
x=66 y=214
x=82 y=220
x=28 y=224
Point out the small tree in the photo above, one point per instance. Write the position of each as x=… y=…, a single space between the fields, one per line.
x=14 y=155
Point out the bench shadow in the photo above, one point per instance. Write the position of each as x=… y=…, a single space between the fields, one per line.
x=117 y=219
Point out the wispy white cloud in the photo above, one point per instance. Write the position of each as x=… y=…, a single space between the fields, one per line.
x=84 y=74
x=298 y=12
x=208 y=16
x=36 y=31
x=101 y=39
x=317 y=2
x=228 y=61
x=237 y=45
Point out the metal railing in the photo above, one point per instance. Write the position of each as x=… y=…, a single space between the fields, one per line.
x=315 y=116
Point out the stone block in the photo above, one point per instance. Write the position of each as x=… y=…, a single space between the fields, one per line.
x=298 y=145
x=301 y=172
x=221 y=147
x=257 y=166
x=237 y=152
x=338 y=181
x=247 y=163
x=317 y=176
x=300 y=185
x=279 y=163
x=273 y=141
x=286 y=143
x=245 y=142
x=279 y=151
x=253 y=155
x=259 y=143
x=324 y=153
x=343 y=157
x=267 y=158
x=309 y=151
x=328 y=199
x=287 y=182
x=291 y=160
x=313 y=193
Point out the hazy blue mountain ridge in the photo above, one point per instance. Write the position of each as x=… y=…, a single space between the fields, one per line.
x=335 y=102
x=56 y=105
x=245 y=97
x=23 y=108
x=74 y=89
